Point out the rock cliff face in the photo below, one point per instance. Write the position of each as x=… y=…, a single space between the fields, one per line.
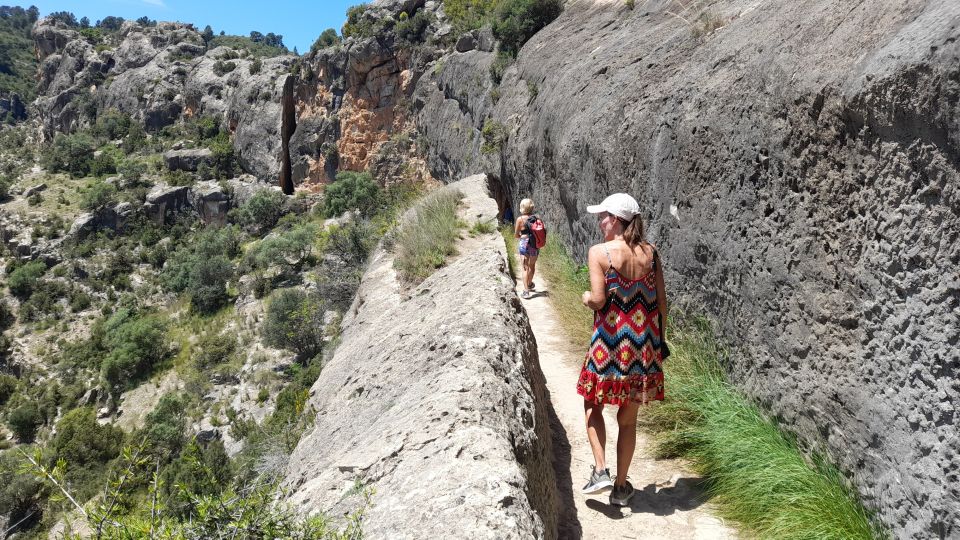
x=434 y=398
x=159 y=75
x=799 y=169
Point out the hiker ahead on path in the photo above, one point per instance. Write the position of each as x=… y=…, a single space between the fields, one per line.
x=623 y=366
x=529 y=244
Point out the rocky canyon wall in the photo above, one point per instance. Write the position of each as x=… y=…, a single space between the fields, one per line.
x=799 y=170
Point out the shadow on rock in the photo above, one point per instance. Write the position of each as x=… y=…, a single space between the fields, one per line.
x=568 y=526
x=685 y=495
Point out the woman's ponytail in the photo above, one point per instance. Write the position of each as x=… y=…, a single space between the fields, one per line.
x=633 y=232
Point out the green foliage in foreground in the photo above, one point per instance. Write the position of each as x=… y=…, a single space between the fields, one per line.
x=250 y=512
x=756 y=474
x=428 y=235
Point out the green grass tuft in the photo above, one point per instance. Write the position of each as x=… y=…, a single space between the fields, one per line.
x=756 y=475
x=428 y=236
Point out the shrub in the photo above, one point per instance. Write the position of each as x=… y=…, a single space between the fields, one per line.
x=494 y=136
x=351 y=191
x=221 y=68
x=202 y=470
x=5 y=183
x=518 y=20
x=288 y=250
x=327 y=38
x=428 y=235
x=207 y=283
x=213 y=349
x=135 y=343
x=85 y=444
x=111 y=124
x=209 y=243
x=357 y=23
x=469 y=15
x=8 y=385
x=255 y=66
x=294 y=321
x=411 y=29
x=99 y=195
x=498 y=67
x=223 y=156
x=23 y=280
x=261 y=212
x=132 y=169
x=70 y=153
x=164 y=426
x=24 y=421
x=6 y=316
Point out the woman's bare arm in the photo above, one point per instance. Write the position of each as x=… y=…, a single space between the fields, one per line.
x=517 y=227
x=596 y=297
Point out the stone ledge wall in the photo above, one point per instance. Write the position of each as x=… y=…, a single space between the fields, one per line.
x=434 y=398
x=799 y=170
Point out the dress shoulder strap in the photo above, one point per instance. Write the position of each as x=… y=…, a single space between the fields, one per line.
x=609 y=260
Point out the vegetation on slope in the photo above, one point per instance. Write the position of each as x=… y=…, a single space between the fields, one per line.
x=18 y=65
x=756 y=474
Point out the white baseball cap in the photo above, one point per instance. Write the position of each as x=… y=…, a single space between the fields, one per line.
x=619 y=204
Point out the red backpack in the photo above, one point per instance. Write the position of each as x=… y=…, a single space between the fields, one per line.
x=538 y=230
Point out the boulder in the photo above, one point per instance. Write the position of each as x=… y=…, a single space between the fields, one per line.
x=467 y=42
x=211 y=201
x=164 y=202
x=34 y=189
x=187 y=159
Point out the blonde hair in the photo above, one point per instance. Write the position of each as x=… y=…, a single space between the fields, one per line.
x=526 y=206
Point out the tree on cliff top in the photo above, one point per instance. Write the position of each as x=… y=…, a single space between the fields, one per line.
x=518 y=20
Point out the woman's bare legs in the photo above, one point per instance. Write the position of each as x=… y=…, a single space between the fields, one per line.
x=531 y=267
x=596 y=432
x=626 y=439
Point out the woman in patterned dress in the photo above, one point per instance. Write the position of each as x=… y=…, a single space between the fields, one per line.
x=624 y=364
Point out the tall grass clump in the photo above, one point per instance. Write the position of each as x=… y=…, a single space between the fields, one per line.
x=428 y=235
x=756 y=475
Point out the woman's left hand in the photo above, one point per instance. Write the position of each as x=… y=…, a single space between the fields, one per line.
x=585 y=298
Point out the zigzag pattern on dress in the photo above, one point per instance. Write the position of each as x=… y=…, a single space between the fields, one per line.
x=624 y=358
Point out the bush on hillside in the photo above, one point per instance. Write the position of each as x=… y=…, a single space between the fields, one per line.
x=207 y=244
x=111 y=124
x=71 y=153
x=8 y=385
x=518 y=20
x=411 y=29
x=207 y=283
x=351 y=191
x=135 y=343
x=23 y=280
x=99 y=195
x=469 y=15
x=327 y=38
x=261 y=212
x=163 y=428
x=294 y=322
x=213 y=349
x=24 y=421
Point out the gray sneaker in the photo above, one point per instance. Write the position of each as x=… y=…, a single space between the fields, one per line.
x=620 y=496
x=599 y=482
x=526 y=294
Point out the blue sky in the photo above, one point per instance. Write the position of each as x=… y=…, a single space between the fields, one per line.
x=299 y=22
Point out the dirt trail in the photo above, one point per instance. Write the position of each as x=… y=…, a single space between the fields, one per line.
x=668 y=503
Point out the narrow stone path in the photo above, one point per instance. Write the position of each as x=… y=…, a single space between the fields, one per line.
x=668 y=503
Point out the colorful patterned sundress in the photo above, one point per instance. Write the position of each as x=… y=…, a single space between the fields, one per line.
x=625 y=358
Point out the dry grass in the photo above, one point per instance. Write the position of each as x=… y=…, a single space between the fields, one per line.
x=428 y=235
